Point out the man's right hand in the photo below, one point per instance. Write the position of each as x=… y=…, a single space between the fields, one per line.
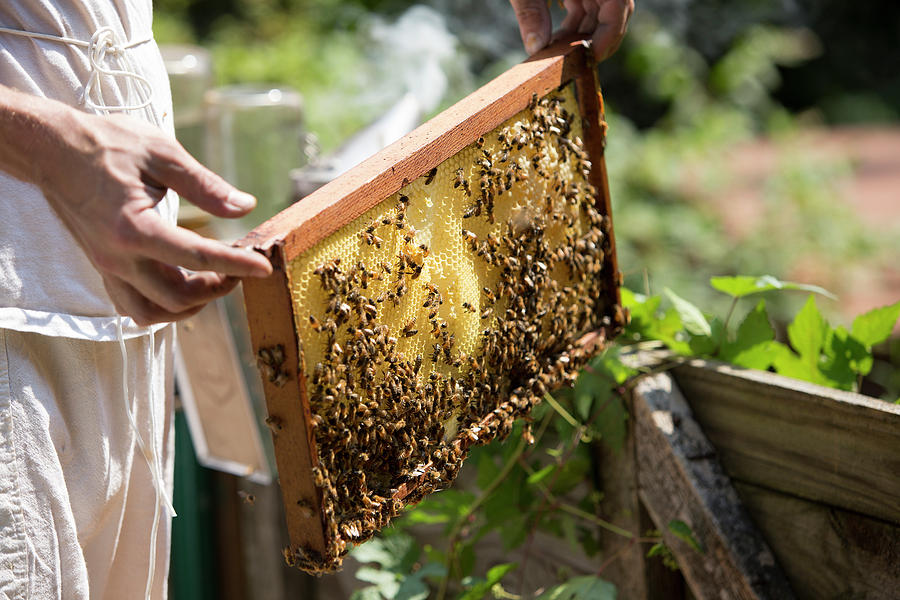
x=103 y=176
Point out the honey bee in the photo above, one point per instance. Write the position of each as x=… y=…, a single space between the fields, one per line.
x=247 y=497
x=315 y=324
x=430 y=176
x=461 y=181
x=408 y=329
x=468 y=307
x=460 y=178
x=473 y=211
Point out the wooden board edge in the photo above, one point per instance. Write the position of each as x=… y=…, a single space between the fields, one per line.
x=780 y=385
x=680 y=478
x=808 y=441
x=269 y=307
x=326 y=210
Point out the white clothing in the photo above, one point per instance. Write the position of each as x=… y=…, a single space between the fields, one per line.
x=47 y=283
x=76 y=497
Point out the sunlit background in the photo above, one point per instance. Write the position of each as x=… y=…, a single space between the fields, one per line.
x=746 y=137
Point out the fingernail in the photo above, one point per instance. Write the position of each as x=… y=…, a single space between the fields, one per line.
x=240 y=200
x=533 y=42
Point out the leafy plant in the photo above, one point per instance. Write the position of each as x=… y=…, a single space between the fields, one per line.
x=817 y=352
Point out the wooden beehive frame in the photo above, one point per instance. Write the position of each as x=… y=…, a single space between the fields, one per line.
x=298 y=228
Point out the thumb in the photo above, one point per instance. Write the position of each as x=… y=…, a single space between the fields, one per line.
x=175 y=168
x=534 y=23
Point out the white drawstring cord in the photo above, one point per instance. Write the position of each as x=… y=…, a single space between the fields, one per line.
x=151 y=455
x=104 y=42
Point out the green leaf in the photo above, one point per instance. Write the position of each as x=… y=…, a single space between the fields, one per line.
x=787 y=363
x=691 y=318
x=807 y=333
x=876 y=325
x=412 y=588
x=589 y=385
x=442 y=507
x=367 y=593
x=846 y=359
x=538 y=476
x=683 y=532
x=588 y=587
x=705 y=345
x=611 y=423
x=744 y=285
x=480 y=589
x=385 y=581
x=387 y=551
x=643 y=311
x=752 y=346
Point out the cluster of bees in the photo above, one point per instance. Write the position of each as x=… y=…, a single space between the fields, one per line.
x=443 y=314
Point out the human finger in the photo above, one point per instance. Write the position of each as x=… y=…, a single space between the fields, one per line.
x=574 y=16
x=176 y=290
x=129 y=302
x=612 y=22
x=172 y=166
x=150 y=236
x=534 y=23
x=589 y=20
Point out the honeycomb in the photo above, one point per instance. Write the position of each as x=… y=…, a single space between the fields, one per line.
x=436 y=318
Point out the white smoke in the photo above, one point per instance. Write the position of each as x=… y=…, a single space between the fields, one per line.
x=413 y=54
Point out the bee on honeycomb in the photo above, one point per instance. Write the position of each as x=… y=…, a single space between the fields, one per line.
x=438 y=317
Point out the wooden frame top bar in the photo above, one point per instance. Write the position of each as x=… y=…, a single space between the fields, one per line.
x=330 y=207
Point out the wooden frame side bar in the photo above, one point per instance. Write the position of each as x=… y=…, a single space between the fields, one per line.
x=594 y=127
x=269 y=309
x=337 y=203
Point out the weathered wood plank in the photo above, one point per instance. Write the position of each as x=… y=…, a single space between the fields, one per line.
x=824 y=445
x=680 y=478
x=827 y=553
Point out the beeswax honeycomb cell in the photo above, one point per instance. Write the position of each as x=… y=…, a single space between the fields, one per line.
x=435 y=318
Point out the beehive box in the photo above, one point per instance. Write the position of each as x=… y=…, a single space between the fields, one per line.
x=430 y=296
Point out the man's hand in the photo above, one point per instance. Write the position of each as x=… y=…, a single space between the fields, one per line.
x=605 y=21
x=103 y=176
